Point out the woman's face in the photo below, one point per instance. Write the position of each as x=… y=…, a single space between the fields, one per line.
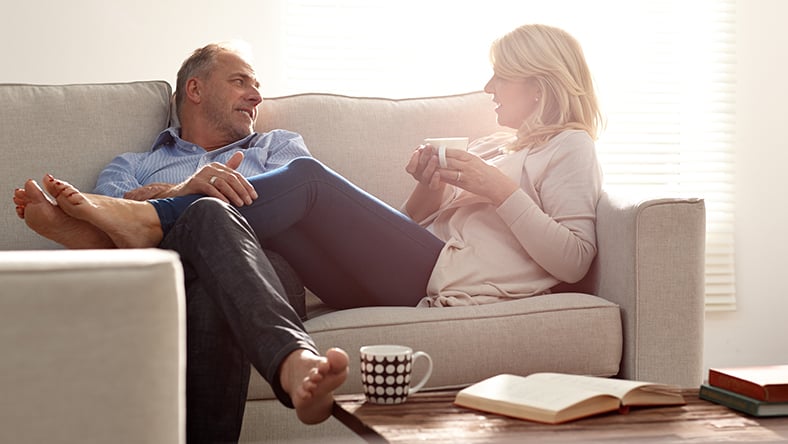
x=516 y=99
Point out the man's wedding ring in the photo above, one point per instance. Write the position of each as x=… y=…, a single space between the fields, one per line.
x=458 y=175
x=212 y=180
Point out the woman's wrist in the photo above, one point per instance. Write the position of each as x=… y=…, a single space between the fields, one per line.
x=501 y=194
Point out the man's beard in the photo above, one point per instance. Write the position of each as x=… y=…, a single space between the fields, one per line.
x=224 y=124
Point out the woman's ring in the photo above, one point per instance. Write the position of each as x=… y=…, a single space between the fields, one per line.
x=458 y=175
x=212 y=180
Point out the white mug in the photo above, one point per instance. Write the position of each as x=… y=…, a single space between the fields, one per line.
x=444 y=143
x=386 y=372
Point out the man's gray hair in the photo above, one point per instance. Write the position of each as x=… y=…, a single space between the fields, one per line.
x=200 y=64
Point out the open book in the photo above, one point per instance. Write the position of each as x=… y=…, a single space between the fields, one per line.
x=555 y=398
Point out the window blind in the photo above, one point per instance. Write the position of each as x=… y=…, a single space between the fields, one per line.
x=665 y=71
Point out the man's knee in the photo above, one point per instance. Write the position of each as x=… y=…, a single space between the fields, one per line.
x=207 y=205
x=210 y=210
x=212 y=222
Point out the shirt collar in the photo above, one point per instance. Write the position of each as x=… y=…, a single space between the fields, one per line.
x=169 y=136
x=172 y=137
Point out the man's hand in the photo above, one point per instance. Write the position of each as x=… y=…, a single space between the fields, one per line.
x=215 y=179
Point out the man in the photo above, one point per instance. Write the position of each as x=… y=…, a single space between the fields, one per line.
x=216 y=98
x=237 y=311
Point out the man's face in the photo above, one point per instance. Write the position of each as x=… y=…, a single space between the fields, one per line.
x=231 y=96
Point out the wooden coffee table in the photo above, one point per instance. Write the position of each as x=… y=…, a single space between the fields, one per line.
x=432 y=417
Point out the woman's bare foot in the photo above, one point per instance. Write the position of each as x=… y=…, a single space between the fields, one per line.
x=130 y=224
x=310 y=381
x=48 y=220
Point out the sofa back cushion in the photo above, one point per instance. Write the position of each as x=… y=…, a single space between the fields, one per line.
x=369 y=140
x=71 y=131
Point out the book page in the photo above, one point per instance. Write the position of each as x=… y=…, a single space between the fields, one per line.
x=555 y=392
x=616 y=387
x=537 y=393
x=762 y=375
x=629 y=392
x=555 y=398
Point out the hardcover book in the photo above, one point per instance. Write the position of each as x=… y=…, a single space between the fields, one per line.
x=554 y=398
x=742 y=403
x=765 y=383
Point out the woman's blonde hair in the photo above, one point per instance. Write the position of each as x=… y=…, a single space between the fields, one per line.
x=554 y=60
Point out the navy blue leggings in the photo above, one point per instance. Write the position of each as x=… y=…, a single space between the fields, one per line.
x=350 y=248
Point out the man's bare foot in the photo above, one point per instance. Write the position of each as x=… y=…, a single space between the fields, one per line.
x=310 y=381
x=48 y=220
x=130 y=224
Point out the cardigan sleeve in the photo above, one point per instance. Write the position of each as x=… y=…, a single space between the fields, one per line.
x=557 y=229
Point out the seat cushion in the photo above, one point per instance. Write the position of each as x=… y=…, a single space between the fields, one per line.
x=566 y=332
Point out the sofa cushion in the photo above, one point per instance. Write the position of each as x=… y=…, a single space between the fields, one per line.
x=376 y=136
x=71 y=131
x=567 y=332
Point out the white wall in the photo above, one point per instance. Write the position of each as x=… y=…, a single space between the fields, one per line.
x=77 y=41
x=98 y=41
x=758 y=331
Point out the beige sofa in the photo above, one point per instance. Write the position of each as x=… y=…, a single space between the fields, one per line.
x=66 y=314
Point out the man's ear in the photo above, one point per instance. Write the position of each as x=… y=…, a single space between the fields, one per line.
x=193 y=90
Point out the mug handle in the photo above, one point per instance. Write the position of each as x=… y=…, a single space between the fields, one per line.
x=417 y=387
x=442 y=156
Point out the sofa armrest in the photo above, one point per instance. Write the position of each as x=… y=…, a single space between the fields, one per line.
x=651 y=263
x=92 y=346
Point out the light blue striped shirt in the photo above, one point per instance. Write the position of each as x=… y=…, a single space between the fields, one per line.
x=173 y=160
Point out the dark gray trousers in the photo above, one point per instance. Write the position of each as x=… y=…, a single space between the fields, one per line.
x=237 y=313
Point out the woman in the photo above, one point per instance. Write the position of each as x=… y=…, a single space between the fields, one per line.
x=512 y=217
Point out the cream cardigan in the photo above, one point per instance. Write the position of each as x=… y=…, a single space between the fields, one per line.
x=543 y=234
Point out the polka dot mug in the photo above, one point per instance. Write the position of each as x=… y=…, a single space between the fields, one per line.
x=386 y=372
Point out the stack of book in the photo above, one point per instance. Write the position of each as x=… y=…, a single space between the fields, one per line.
x=755 y=390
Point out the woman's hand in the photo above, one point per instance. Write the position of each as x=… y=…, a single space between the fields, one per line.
x=427 y=195
x=423 y=166
x=471 y=173
x=463 y=170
